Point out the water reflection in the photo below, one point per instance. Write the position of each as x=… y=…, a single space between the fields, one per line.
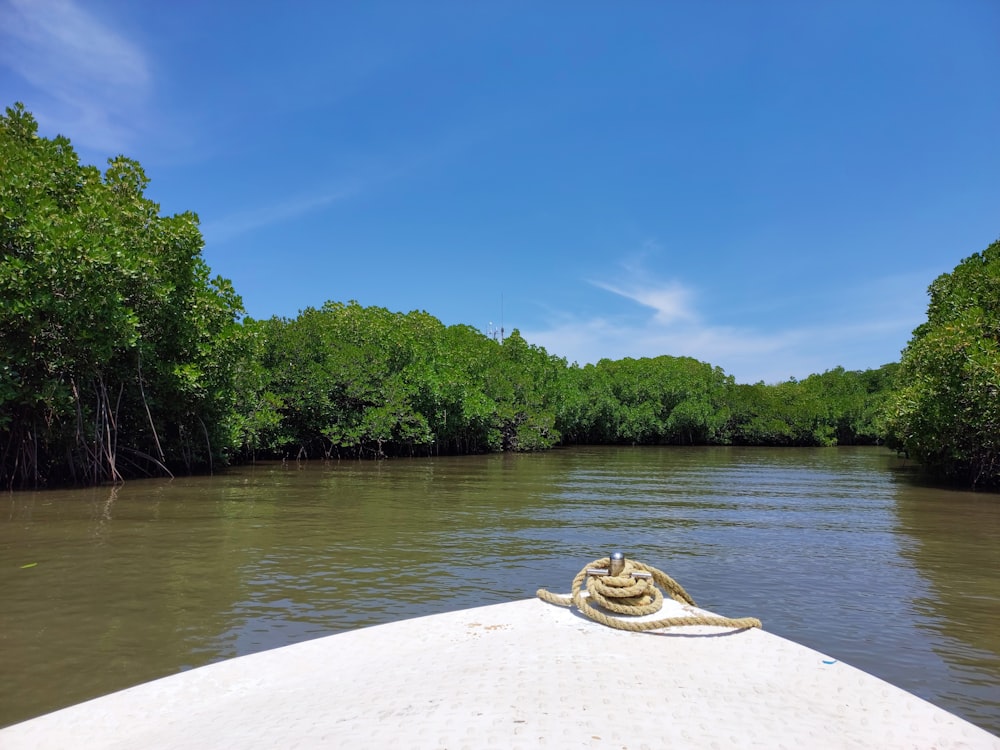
x=956 y=548
x=829 y=547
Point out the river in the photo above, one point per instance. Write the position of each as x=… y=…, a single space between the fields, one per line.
x=842 y=549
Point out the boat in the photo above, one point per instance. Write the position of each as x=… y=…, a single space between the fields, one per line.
x=525 y=674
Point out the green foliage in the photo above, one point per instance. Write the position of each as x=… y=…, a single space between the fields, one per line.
x=946 y=413
x=837 y=407
x=351 y=381
x=119 y=355
x=664 y=400
x=110 y=330
x=346 y=380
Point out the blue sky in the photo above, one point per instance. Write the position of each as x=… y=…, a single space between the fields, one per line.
x=766 y=186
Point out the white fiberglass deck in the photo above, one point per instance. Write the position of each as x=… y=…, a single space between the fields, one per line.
x=525 y=674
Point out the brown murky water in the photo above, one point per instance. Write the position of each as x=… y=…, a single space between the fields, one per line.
x=838 y=549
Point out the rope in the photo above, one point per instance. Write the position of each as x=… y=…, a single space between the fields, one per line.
x=626 y=595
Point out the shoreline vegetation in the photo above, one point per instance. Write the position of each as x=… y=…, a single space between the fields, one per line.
x=120 y=356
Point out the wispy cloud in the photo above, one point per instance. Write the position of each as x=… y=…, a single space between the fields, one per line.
x=234 y=225
x=281 y=208
x=83 y=75
x=672 y=301
x=751 y=352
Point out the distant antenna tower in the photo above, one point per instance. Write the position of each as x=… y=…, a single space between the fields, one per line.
x=492 y=331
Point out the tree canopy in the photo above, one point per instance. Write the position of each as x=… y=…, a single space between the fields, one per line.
x=121 y=356
x=347 y=380
x=110 y=329
x=946 y=413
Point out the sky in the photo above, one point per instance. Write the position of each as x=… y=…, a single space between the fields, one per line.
x=766 y=186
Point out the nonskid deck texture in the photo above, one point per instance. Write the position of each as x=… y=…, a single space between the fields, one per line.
x=524 y=674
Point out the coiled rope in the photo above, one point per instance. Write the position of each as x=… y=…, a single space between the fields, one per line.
x=626 y=594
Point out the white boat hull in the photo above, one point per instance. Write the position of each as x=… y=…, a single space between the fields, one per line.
x=524 y=674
